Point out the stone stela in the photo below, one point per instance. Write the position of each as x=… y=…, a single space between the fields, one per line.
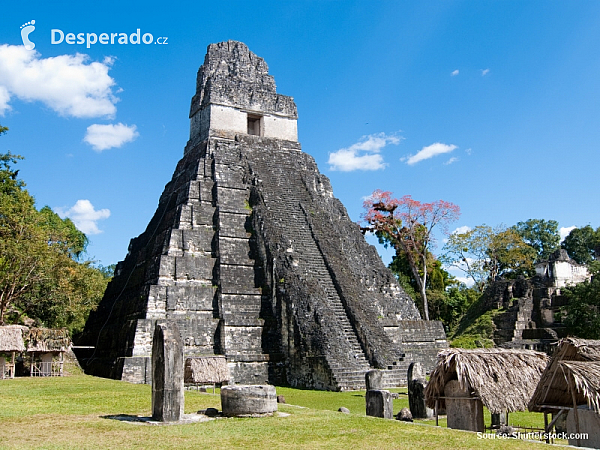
x=254 y=258
x=167 y=373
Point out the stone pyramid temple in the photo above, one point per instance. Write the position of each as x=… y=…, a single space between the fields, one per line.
x=254 y=258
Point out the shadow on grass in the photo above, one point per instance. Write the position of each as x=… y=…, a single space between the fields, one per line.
x=185 y=419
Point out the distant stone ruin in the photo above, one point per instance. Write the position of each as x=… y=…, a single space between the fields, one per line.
x=254 y=258
x=531 y=316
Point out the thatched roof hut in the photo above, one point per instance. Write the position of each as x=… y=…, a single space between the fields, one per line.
x=206 y=369
x=46 y=340
x=11 y=338
x=573 y=371
x=504 y=379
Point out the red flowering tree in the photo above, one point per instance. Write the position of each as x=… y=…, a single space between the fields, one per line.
x=408 y=225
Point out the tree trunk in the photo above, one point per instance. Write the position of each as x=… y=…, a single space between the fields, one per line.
x=420 y=281
x=423 y=285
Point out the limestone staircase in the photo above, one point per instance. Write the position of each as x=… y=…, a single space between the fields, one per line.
x=285 y=199
x=510 y=324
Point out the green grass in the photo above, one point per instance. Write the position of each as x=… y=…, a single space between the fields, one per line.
x=70 y=412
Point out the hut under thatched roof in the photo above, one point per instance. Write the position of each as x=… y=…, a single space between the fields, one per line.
x=206 y=369
x=11 y=338
x=48 y=340
x=574 y=361
x=571 y=384
x=11 y=341
x=503 y=379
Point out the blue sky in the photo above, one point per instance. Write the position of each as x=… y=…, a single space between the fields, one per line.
x=493 y=105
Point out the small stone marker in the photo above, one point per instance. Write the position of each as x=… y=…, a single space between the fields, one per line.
x=344 y=410
x=416 y=392
x=374 y=379
x=167 y=372
x=404 y=415
x=380 y=404
x=247 y=400
x=280 y=399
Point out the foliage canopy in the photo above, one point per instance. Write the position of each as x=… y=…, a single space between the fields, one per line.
x=408 y=225
x=42 y=276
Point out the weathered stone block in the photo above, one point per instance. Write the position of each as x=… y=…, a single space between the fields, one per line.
x=194 y=267
x=464 y=412
x=235 y=251
x=232 y=200
x=197 y=240
x=137 y=369
x=244 y=400
x=416 y=392
x=237 y=279
x=374 y=380
x=248 y=371
x=190 y=298
x=380 y=404
x=167 y=373
x=242 y=339
x=234 y=225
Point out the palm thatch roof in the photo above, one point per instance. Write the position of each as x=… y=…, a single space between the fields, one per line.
x=11 y=338
x=573 y=371
x=48 y=340
x=206 y=369
x=504 y=379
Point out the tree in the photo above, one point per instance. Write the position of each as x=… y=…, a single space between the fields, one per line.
x=468 y=252
x=583 y=244
x=509 y=256
x=484 y=253
x=540 y=234
x=9 y=183
x=408 y=225
x=40 y=276
x=583 y=308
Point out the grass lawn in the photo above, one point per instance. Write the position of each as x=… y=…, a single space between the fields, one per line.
x=70 y=412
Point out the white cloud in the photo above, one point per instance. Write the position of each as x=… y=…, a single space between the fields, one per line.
x=102 y=137
x=484 y=72
x=4 y=99
x=429 y=152
x=467 y=281
x=462 y=230
x=454 y=73
x=468 y=151
x=68 y=84
x=364 y=155
x=564 y=232
x=84 y=216
x=451 y=160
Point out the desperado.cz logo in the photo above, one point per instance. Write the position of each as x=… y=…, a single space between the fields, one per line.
x=89 y=39
x=26 y=30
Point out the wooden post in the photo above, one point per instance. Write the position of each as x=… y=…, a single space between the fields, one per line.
x=436 y=413
x=546 y=426
x=575 y=413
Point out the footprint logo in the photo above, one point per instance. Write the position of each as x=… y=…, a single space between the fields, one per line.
x=26 y=29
